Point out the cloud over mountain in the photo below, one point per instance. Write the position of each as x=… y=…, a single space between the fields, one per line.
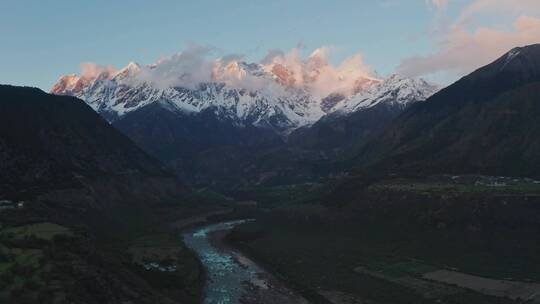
x=197 y=64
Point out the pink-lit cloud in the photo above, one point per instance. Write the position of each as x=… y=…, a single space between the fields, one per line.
x=195 y=65
x=317 y=73
x=91 y=71
x=500 y=8
x=466 y=44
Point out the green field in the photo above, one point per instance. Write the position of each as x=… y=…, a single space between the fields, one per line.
x=328 y=259
x=460 y=185
x=376 y=242
x=45 y=231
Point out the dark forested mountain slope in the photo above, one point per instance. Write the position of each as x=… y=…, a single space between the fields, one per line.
x=193 y=143
x=362 y=116
x=76 y=196
x=344 y=133
x=49 y=141
x=486 y=123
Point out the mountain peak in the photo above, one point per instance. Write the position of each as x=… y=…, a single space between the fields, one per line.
x=132 y=66
x=519 y=66
x=129 y=70
x=519 y=54
x=521 y=60
x=68 y=85
x=393 y=90
x=394 y=77
x=527 y=50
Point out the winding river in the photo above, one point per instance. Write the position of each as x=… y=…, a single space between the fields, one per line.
x=231 y=276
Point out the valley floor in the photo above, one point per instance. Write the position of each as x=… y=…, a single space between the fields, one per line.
x=444 y=239
x=434 y=240
x=339 y=267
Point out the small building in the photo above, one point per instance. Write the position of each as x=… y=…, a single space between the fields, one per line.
x=7 y=204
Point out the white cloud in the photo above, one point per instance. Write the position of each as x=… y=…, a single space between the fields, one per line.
x=187 y=68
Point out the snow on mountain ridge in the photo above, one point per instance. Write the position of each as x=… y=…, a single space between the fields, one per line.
x=245 y=93
x=394 y=90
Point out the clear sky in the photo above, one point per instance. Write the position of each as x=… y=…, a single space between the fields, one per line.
x=44 y=39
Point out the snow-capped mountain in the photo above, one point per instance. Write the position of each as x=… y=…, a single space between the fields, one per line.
x=394 y=91
x=271 y=99
x=115 y=95
x=353 y=121
x=216 y=124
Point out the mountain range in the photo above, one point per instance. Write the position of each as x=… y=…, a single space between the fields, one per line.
x=281 y=107
x=218 y=128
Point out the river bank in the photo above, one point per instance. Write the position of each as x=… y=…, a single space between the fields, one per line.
x=231 y=276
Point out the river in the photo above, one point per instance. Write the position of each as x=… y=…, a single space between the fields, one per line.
x=231 y=276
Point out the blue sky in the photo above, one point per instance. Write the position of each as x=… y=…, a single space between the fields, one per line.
x=42 y=40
